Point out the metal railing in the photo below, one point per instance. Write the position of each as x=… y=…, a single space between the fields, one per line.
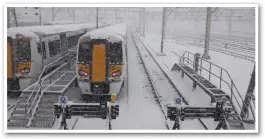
x=231 y=85
x=38 y=83
x=40 y=93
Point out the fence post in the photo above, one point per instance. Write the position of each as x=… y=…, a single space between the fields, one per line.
x=196 y=66
x=210 y=71
x=196 y=63
x=250 y=91
x=221 y=74
x=201 y=67
x=188 y=59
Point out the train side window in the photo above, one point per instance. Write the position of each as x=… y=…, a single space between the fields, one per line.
x=54 y=47
x=39 y=48
x=44 y=50
x=73 y=40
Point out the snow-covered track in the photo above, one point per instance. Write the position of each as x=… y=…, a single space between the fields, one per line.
x=152 y=82
x=158 y=78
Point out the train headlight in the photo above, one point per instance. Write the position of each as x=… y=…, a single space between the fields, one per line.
x=81 y=72
x=26 y=70
x=118 y=73
x=22 y=70
x=113 y=74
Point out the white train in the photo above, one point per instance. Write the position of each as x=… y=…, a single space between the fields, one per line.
x=101 y=60
x=29 y=49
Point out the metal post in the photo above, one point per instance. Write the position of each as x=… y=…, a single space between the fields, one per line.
x=15 y=16
x=40 y=15
x=139 y=23
x=97 y=19
x=201 y=67
x=73 y=16
x=207 y=33
x=8 y=17
x=116 y=15
x=196 y=66
x=144 y=22
x=230 y=22
x=196 y=63
x=210 y=72
x=221 y=74
x=53 y=14
x=163 y=28
x=250 y=91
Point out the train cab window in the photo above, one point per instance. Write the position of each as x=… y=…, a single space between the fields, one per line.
x=116 y=53
x=23 y=49
x=73 y=40
x=41 y=47
x=84 y=53
x=54 y=47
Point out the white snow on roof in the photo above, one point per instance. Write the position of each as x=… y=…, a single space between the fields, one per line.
x=114 y=33
x=118 y=28
x=46 y=30
x=102 y=34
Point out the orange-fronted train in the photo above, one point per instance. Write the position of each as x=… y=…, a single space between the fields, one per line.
x=29 y=49
x=101 y=60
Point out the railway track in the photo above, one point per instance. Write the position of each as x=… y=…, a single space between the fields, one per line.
x=162 y=87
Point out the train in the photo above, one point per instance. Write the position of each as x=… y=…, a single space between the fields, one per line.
x=29 y=49
x=101 y=61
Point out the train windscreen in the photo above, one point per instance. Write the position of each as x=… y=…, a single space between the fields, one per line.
x=84 y=53
x=116 y=53
x=23 y=50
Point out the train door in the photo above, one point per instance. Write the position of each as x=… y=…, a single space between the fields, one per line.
x=100 y=67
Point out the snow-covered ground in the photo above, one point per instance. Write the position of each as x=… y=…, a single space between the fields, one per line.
x=199 y=97
x=232 y=64
x=139 y=109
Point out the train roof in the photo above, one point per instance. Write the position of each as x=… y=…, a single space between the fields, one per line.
x=120 y=29
x=113 y=33
x=34 y=31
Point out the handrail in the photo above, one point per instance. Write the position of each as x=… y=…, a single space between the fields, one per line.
x=40 y=76
x=223 y=81
x=41 y=92
x=182 y=60
x=42 y=82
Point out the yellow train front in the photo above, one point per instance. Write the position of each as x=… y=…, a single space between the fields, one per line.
x=100 y=61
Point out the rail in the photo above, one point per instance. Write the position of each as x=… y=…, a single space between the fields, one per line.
x=151 y=81
x=166 y=75
x=229 y=83
x=39 y=84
